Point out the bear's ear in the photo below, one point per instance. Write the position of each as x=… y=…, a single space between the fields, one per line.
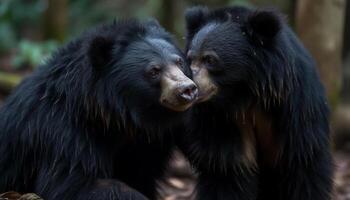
x=195 y=18
x=263 y=26
x=154 y=25
x=100 y=51
x=151 y=22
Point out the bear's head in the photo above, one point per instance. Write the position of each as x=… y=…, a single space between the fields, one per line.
x=140 y=73
x=234 y=53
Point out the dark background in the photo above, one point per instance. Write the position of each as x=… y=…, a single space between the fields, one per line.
x=31 y=29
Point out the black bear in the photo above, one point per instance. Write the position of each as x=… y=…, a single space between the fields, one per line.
x=261 y=127
x=94 y=121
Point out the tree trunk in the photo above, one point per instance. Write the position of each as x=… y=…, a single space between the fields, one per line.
x=347 y=31
x=167 y=14
x=346 y=56
x=286 y=6
x=55 y=21
x=320 y=25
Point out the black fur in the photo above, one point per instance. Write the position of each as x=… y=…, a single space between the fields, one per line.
x=89 y=120
x=263 y=69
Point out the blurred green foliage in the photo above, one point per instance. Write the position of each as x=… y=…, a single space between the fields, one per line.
x=15 y=17
x=13 y=13
x=33 y=53
x=7 y=32
x=22 y=22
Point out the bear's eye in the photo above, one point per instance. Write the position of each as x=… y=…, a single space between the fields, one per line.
x=154 y=71
x=208 y=59
x=180 y=62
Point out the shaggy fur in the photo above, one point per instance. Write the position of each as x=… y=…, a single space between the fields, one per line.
x=89 y=120
x=265 y=133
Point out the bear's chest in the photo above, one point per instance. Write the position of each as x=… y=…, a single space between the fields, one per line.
x=244 y=139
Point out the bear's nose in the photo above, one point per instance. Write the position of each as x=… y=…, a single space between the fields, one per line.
x=188 y=92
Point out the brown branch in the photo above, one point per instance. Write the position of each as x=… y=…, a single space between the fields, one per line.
x=8 y=81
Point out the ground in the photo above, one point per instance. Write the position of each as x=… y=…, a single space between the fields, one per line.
x=342 y=176
x=180 y=184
